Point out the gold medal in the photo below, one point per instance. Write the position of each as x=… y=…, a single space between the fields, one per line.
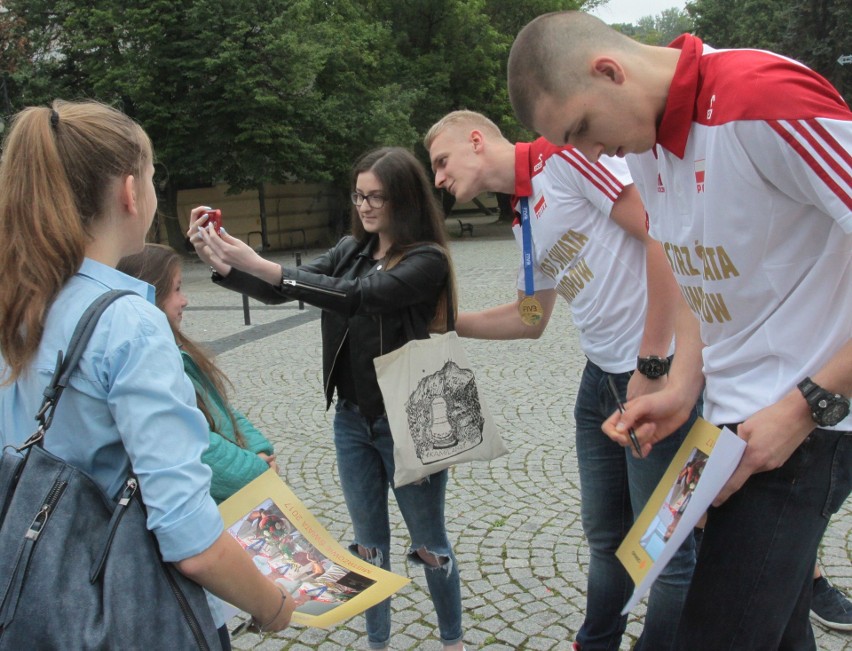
x=530 y=310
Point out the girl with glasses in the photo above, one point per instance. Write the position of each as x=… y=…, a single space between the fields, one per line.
x=394 y=267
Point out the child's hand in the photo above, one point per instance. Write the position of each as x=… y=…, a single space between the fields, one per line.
x=270 y=460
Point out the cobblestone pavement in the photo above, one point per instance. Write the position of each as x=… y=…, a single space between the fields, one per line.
x=515 y=523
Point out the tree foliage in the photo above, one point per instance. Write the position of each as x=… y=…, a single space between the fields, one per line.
x=815 y=32
x=261 y=91
x=661 y=29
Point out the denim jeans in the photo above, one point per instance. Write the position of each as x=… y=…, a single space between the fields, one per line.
x=365 y=465
x=614 y=488
x=753 y=580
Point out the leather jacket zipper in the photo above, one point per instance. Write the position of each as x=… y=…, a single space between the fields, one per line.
x=313 y=288
x=334 y=361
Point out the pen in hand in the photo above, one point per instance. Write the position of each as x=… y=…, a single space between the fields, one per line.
x=620 y=404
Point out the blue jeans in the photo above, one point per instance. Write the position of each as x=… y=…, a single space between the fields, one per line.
x=365 y=465
x=614 y=488
x=753 y=580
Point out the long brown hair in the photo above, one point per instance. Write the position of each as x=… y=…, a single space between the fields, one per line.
x=55 y=175
x=158 y=265
x=415 y=216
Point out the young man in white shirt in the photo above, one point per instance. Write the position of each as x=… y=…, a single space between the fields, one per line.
x=742 y=159
x=587 y=242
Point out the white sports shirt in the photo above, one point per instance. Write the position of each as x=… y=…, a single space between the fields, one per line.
x=580 y=252
x=749 y=189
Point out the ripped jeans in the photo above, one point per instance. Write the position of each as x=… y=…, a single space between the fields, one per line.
x=365 y=466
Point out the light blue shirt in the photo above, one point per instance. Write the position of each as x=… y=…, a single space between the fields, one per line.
x=129 y=404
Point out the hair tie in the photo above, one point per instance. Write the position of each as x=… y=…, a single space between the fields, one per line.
x=54 y=119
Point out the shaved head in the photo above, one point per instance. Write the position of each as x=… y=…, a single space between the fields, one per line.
x=552 y=56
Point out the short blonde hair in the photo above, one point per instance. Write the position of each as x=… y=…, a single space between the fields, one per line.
x=461 y=118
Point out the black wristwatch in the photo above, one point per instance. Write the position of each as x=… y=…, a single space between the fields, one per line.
x=827 y=408
x=653 y=367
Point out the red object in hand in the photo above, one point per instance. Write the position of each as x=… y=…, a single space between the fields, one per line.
x=213 y=217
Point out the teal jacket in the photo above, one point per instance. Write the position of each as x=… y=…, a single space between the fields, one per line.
x=233 y=467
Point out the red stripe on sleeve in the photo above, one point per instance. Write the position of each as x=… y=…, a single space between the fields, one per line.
x=820 y=150
x=597 y=169
x=812 y=162
x=831 y=141
x=596 y=174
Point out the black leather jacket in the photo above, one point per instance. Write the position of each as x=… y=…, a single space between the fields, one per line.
x=359 y=300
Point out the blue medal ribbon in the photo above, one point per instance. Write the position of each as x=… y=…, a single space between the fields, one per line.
x=526 y=239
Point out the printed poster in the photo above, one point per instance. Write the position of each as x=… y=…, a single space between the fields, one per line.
x=291 y=547
x=705 y=461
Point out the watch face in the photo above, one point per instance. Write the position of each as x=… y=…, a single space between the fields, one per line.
x=653 y=368
x=831 y=411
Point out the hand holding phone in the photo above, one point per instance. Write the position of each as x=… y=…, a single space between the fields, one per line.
x=214 y=216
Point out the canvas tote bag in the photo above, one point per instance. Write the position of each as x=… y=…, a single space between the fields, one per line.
x=436 y=416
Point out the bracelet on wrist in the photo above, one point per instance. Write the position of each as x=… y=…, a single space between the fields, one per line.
x=262 y=627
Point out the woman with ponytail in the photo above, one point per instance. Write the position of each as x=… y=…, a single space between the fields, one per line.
x=76 y=196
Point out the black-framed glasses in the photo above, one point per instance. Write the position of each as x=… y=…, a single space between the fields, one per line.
x=373 y=200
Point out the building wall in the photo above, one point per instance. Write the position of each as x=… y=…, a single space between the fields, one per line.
x=298 y=215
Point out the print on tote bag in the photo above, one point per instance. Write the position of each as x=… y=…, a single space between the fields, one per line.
x=435 y=411
x=444 y=414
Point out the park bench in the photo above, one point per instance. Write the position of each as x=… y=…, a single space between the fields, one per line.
x=466 y=223
x=475 y=215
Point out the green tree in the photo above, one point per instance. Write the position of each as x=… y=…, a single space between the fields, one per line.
x=815 y=32
x=818 y=34
x=661 y=29
x=740 y=23
x=132 y=56
x=508 y=17
x=245 y=93
x=264 y=91
x=448 y=55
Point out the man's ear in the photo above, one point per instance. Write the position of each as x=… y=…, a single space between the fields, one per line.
x=608 y=68
x=477 y=140
x=127 y=194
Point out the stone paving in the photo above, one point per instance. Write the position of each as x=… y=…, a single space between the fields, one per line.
x=515 y=523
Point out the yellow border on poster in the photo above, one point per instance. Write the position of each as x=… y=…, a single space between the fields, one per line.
x=270 y=486
x=636 y=560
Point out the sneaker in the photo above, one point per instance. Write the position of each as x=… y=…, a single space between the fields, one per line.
x=830 y=607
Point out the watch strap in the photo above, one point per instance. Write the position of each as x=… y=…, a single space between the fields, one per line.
x=809 y=388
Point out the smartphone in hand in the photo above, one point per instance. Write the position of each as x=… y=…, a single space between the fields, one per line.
x=214 y=216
